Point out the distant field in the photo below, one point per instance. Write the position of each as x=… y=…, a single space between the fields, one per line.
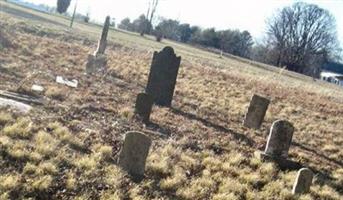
x=67 y=148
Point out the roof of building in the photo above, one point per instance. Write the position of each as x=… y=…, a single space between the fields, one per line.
x=333 y=67
x=330 y=74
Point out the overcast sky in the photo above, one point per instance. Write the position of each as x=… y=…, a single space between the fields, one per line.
x=222 y=14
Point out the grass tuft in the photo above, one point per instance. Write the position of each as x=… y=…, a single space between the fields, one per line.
x=9 y=182
x=20 y=129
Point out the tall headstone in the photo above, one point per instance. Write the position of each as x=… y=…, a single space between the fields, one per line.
x=103 y=39
x=97 y=61
x=133 y=154
x=303 y=181
x=163 y=74
x=256 y=112
x=143 y=106
x=279 y=139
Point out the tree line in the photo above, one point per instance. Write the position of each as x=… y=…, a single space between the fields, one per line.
x=231 y=41
x=301 y=37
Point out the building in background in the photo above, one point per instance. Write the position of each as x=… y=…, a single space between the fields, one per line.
x=333 y=73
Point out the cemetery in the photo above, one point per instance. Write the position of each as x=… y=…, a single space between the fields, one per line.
x=131 y=118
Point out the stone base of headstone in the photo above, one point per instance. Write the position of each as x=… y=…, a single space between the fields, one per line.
x=283 y=163
x=96 y=63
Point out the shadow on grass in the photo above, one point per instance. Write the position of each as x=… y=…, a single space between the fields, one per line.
x=165 y=133
x=339 y=163
x=323 y=176
x=237 y=136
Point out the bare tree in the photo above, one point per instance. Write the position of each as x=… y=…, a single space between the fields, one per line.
x=303 y=37
x=151 y=13
x=153 y=6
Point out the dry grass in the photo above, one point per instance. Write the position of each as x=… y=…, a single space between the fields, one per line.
x=68 y=148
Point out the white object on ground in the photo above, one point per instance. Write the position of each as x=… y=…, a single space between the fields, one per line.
x=73 y=83
x=24 y=108
x=37 y=88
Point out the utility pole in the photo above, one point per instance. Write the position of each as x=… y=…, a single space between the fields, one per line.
x=72 y=18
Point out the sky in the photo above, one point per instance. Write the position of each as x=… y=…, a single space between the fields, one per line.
x=248 y=15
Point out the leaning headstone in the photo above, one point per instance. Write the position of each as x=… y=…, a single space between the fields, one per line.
x=163 y=74
x=103 y=39
x=278 y=144
x=143 y=106
x=279 y=139
x=133 y=154
x=303 y=181
x=98 y=61
x=256 y=112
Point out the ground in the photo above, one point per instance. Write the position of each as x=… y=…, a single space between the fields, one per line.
x=67 y=148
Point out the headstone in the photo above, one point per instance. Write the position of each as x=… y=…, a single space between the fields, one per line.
x=278 y=144
x=162 y=78
x=256 y=112
x=133 y=154
x=303 y=181
x=279 y=139
x=98 y=61
x=143 y=106
x=103 y=39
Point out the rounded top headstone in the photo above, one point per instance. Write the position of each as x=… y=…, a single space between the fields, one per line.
x=279 y=139
x=134 y=152
x=168 y=50
x=284 y=124
x=303 y=181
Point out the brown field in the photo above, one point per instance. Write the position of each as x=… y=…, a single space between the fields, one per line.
x=67 y=148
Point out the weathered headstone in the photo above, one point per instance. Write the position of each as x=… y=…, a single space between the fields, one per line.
x=103 y=39
x=143 y=106
x=278 y=144
x=303 y=181
x=256 y=112
x=163 y=74
x=279 y=139
x=98 y=61
x=133 y=154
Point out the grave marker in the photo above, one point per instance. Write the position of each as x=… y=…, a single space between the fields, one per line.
x=163 y=74
x=278 y=144
x=97 y=61
x=133 y=154
x=143 y=106
x=279 y=139
x=303 y=181
x=103 y=39
x=256 y=112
